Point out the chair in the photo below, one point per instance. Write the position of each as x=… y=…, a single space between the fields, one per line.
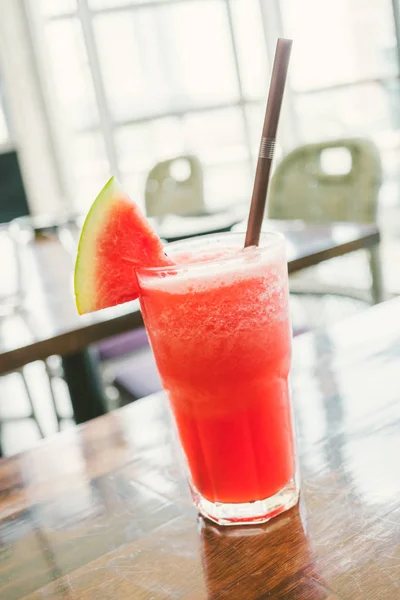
x=175 y=186
x=302 y=187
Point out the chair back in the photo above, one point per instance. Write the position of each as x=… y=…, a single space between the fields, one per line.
x=175 y=186
x=337 y=180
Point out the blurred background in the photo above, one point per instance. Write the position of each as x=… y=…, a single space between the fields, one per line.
x=90 y=88
x=94 y=87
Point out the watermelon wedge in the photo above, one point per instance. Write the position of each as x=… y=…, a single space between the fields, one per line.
x=116 y=238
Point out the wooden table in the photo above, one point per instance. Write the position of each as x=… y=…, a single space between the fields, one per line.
x=174 y=227
x=51 y=325
x=102 y=511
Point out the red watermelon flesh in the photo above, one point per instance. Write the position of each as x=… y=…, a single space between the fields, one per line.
x=116 y=239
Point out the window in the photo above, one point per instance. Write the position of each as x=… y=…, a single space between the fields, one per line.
x=345 y=72
x=141 y=81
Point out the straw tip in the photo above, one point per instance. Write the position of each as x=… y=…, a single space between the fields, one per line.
x=285 y=41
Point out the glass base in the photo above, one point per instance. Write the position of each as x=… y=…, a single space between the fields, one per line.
x=248 y=513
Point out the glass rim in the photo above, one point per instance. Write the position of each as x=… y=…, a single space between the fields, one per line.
x=272 y=236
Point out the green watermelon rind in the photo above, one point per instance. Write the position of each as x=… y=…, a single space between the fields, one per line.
x=85 y=287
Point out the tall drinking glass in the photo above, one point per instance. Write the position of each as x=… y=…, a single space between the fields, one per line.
x=219 y=326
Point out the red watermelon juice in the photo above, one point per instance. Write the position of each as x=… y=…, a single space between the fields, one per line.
x=218 y=323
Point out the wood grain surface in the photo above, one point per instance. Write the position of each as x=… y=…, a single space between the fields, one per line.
x=103 y=511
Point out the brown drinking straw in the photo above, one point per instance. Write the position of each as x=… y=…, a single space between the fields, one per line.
x=267 y=146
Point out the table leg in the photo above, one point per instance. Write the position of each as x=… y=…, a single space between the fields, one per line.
x=376 y=273
x=82 y=375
